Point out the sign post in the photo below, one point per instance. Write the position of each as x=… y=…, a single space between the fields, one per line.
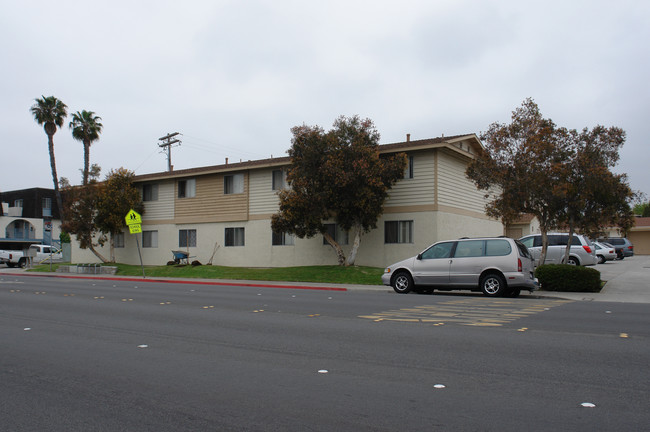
x=134 y=222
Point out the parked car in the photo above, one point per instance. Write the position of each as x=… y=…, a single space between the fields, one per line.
x=498 y=266
x=582 y=250
x=38 y=252
x=624 y=248
x=604 y=252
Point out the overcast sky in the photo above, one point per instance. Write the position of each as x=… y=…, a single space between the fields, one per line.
x=234 y=76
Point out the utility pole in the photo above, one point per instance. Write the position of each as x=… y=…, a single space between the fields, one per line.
x=167 y=142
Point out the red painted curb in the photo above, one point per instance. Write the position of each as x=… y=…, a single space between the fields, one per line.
x=201 y=282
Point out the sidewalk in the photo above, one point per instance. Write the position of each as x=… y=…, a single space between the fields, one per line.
x=628 y=281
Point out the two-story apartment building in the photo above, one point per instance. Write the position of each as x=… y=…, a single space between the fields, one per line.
x=222 y=213
x=28 y=216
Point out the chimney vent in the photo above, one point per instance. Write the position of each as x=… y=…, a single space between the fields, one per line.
x=226 y=161
x=408 y=137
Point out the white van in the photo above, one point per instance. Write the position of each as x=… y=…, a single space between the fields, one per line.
x=582 y=252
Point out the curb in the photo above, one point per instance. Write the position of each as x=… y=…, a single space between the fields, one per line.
x=170 y=281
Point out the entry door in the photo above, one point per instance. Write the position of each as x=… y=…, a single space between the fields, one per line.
x=433 y=266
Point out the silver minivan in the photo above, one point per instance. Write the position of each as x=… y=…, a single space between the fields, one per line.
x=582 y=250
x=498 y=266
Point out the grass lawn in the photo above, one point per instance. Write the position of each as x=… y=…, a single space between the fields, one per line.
x=322 y=274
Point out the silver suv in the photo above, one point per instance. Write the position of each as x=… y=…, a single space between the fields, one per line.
x=582 y=252
x=498 y=266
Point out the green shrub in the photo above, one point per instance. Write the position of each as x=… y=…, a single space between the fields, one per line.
x=568 y=278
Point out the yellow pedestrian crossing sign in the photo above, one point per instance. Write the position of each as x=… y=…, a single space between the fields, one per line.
x=133 y=218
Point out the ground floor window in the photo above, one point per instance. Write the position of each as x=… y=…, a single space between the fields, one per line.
x=398 y=231
x=282 y=239
x=234 y=236
x=338 y=234
x=149 y=239
x=118 y=240
x=187 y=238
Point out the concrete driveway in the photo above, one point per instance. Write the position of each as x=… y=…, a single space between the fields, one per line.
x=628 y=280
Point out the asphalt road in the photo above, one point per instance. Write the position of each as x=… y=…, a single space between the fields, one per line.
x=95 y=355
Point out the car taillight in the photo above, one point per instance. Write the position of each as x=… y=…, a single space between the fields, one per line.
x=630 y=247
x=587 y=248
x=519 y=266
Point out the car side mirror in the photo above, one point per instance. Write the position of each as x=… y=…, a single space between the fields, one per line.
x=419 y=257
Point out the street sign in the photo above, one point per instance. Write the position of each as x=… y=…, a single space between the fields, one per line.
x=135 y=228
x=133 y=218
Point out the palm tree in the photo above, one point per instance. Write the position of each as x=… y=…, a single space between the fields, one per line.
x=51 y=112
x=86 y=128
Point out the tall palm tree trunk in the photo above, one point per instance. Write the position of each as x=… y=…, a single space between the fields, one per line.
x=86 y=161
x=55 y=179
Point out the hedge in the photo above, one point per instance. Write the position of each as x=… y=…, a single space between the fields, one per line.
x=568 y=278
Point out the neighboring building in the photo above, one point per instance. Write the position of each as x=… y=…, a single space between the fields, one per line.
x=29 y=216
x=222 y=214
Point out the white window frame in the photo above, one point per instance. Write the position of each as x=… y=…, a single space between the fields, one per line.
x=404 y=232
x=234 y=237
x=189 y=236
x=150 y=239
x=233 y=184
x=278 y=179
x=187 y=188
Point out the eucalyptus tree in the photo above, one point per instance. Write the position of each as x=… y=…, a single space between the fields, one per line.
x=51 y=113
x=336 y=176
x=86 y=128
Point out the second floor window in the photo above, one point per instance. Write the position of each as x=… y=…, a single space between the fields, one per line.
x=186 y=188
x=47 y=206
x=18 y=203
x=150 y=192
x=233 y=184
x=408 y=172
x=279 y=179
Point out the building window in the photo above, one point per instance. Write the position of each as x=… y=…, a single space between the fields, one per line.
x=398 y=231
x=408 y=172
x=118 y=240
x=282 y=239
x=150 y=192
x=149 y=239
x=338 y=234
x=47 y=207
x=18 y=203
x=233 y=184
x=187 y=188
x=234 y=237
x=187 y=238
x=279 y=179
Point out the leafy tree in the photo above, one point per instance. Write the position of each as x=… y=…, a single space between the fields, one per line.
x=642 y=209
x=523 y=167
x=86 y=128
x=118 y=197
x=337 y=175
x=595 y=197
x=96 y=210
x=51 y=112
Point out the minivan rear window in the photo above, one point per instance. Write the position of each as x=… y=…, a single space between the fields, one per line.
x=498 y=248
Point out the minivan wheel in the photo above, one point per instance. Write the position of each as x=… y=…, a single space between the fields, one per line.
x=573 y=261
x=493 y=285
x=402 y=282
